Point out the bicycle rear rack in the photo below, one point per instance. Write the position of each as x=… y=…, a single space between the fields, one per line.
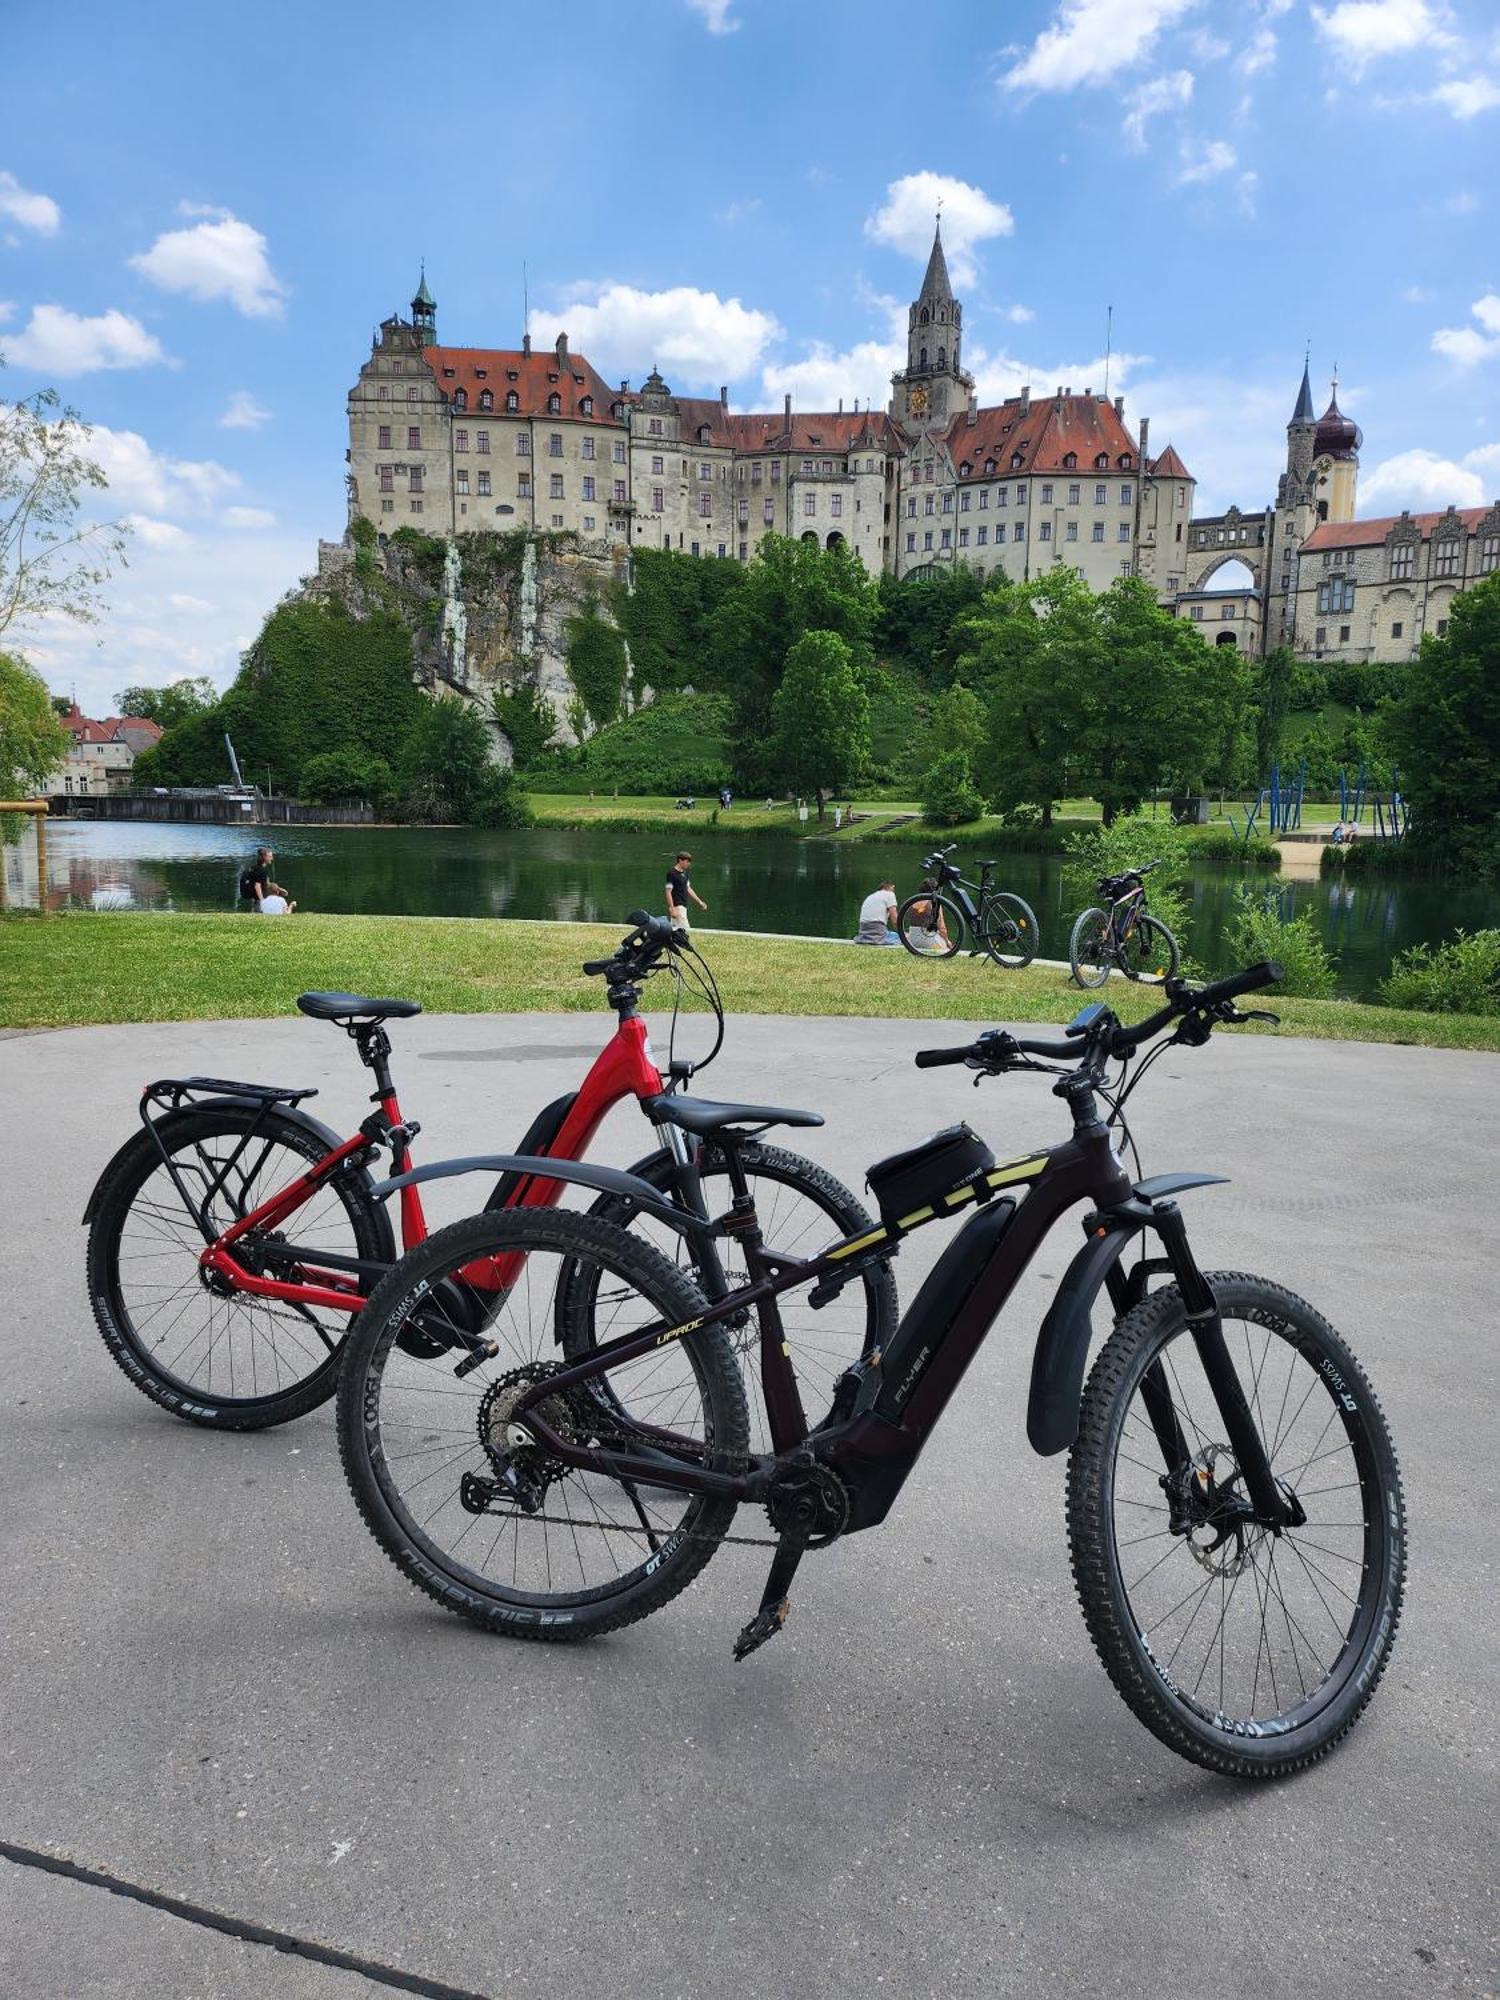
x=171 y=1091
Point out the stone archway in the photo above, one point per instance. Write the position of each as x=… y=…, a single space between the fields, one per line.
x=1232 y=569
x=810 y=535
x=835 y=539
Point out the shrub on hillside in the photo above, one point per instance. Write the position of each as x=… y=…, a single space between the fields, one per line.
x=1261 y=929
x=347 y=777
x=677 y=744
x=446 y=772
x=1460 y=977
x=949 y=795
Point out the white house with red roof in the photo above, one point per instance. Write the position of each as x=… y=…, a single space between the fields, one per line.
x=101 y=755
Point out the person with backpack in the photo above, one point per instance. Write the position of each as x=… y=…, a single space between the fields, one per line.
x=255 y=880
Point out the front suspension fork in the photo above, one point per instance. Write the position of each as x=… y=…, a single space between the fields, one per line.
x=1244 y=1437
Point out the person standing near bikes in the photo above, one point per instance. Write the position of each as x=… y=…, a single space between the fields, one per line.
x=678 y=891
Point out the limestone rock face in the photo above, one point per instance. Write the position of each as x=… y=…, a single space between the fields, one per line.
x=485 y=611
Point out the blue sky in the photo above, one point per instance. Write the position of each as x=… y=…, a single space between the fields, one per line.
x=201 y=220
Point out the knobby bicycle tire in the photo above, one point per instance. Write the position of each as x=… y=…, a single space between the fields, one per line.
x=142 y=1241
x=1149 y=955
x=937 y=946
x=1008 y=930
x=1349 y=1470
x=1091 y=929
x=364 y=1422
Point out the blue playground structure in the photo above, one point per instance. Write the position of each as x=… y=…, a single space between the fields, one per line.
x=1390 y=815
x=1281 y=801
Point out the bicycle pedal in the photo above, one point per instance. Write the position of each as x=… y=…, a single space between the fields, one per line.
x=766 y=1623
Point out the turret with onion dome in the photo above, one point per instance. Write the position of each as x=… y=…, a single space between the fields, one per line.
x=1337 y=436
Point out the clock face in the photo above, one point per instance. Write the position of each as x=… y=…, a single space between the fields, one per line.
x=919 y=402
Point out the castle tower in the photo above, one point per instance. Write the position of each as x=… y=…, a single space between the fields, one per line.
x=1336 y=446
x=424 y=314
x=933 y=388
x=1301 y=434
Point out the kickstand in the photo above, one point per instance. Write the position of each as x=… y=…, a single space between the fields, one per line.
x=774 y=1604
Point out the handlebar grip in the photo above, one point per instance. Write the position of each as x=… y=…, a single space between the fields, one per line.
x=1269 y=972
x=594 y=966
x=1058 y=1051
x=939 y=1058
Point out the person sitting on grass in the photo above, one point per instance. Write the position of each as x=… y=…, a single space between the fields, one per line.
x=275 y=902
x=928 y=930
x=877 y=916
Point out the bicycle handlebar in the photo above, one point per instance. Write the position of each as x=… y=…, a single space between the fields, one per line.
x=638 y=952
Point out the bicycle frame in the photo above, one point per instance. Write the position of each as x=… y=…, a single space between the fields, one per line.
x=1122 y=916
x=888 y=1404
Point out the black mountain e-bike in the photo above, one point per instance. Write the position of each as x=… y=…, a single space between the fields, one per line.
x=1235 y=1513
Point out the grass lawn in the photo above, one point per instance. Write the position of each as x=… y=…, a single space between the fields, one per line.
x=68 y=971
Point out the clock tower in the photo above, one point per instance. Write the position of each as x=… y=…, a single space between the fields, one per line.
x=933 y=389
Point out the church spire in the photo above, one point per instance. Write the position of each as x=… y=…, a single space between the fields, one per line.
x=424 y=310
x=935 y=285
x=1303 y=414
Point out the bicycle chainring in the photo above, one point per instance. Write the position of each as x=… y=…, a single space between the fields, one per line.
x=808 y=1504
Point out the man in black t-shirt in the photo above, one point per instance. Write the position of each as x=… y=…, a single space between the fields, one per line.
x=255 y=880
x=679 y=889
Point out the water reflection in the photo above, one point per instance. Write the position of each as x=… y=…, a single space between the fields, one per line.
x=752 y=882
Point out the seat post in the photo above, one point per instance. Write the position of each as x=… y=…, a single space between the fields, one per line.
x=374 y=1046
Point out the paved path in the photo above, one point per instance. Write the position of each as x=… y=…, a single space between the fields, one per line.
x=215 y=1687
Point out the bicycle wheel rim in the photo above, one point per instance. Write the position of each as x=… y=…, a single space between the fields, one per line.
x=422 y=1434
x=1283 y=1598
x=1149 y=954
x=234 y=1352
x=912 y=934
x=1087 y=952
x=1012 y=940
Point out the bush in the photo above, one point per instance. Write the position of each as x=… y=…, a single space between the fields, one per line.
x=1260 y=929
x=1460 y=977
x=446 y=771
x=1133 y=840
x=525 y=716
x=346 y=777
x=597 y=665
x=677 y=744
x=949 y=794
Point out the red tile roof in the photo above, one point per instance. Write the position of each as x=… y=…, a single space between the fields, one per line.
x=1370 y=534
x=538 y=375
x=1043 y=435
x=113 y=729
x=1167 y=465
x=815 y=430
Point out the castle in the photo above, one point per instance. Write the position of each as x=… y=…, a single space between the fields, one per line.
x=456 y=439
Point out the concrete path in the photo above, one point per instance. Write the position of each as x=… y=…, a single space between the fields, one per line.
x=216 y=1688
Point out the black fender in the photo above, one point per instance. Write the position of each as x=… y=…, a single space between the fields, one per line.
x=166 y=1127
x=532 y=1166
x=1062 y=1345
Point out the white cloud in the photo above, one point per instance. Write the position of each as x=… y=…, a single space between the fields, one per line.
x=153 y=481
x=7 y=310
x=1002 y=374
x=739 y=211
x=220 y=257
x=1207 y=47
x=1019 y=315
x=1415 y=295
x=715 y=15
x=1090 y=41
x=905 y=220
x=182 y=600
x=243 y=413
x=1362 y=31
x=820 y=378
x=27 y=210
x=1422 y=481
x=1229 y=427
x=150 y=533
x=1485 y=459
x=1469 y=345
x=1204 y=160
x=1159 y=93
x=248 y=517
x=1260 y=52
x=58 y=342
x=695 y=337
x=1467 y=96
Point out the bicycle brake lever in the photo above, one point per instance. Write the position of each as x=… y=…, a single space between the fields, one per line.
x=1257 y=1014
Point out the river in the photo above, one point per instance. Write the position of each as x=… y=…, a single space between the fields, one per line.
x=752 y=883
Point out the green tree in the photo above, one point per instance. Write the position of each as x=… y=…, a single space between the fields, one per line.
x=446 y=773
x=1032 y=651
x=820 y=717
x=53 y=561
x=921 y=617
x=347 y=777
x=1273 y=683
x=597 y=664
x=791 y=588
x=958 y=721
x=169 y=705
x=1444 y=733
x=525 y=715
x=32 y=740
x=949 y=794
x=666 y=610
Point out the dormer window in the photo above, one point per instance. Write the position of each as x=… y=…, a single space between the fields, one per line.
x=552 y=375
x=449 y=373
x=511 y=375
x=486 y=400
x=512 y=400
x=965 y=469
x=579 y=380
x=1070 y=459
x=1016 y=461
x=1101 y=463
x=703 y=434
x=587 y=405
x=481 y=373
x=460 y=396
x=1123 y=461
x=989 y=465
x=554 y=401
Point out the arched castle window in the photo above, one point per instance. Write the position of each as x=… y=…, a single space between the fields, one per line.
x=922 y=357
x=943 y=314
x=512 y=400
x=554 y=405
x=486 y=400
x=924 y=315
x=942 y=357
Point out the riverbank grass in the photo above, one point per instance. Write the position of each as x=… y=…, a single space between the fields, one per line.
x=86 y=968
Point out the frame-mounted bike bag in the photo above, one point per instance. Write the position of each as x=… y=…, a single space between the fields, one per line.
x=923 y=1177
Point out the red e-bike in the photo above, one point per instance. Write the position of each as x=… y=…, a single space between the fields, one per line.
x=234 y=1238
